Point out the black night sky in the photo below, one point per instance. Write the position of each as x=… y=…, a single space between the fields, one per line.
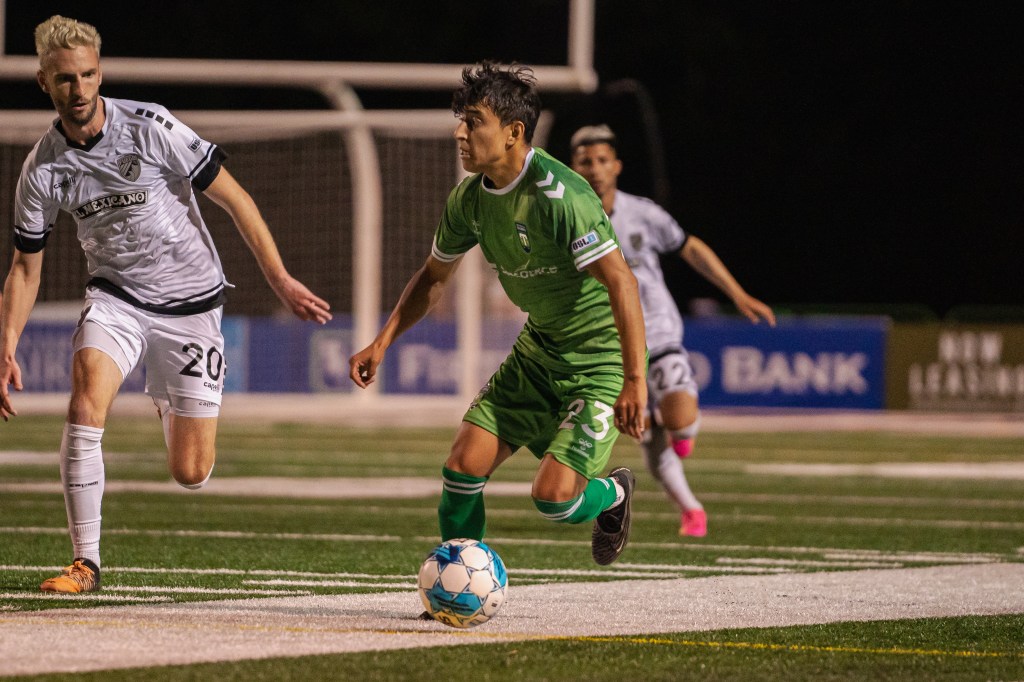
x=859 y=154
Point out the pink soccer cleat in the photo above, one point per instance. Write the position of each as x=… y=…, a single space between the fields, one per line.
x=694 y=523
x=683 y=448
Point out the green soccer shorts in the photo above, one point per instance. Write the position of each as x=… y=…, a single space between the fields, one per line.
x=570 y=415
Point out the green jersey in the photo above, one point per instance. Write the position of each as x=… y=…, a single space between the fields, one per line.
x=539 y=233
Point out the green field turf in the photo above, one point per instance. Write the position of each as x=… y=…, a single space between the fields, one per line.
x=170 y=546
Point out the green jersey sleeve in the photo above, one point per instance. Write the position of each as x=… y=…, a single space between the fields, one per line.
x=455 y=234
x=587 y=231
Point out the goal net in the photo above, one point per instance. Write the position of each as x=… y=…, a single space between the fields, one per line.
x=309 y=172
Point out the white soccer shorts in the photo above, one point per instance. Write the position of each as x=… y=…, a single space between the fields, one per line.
x=670 y=373
x=182 y=355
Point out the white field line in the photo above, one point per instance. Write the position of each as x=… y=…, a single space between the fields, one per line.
x=340 y=488
x=696 y=545
x=281 y=486
x=853 y=500
x=234 y=630
x=395 y=412
x=89 y=597
x=836 y=553
x=301 y=578
x=167 y=589
x=214 y=571
x=804 y=563
x=1001 y=471
x=407 y=585
x=730 y=518
x=223 y=534
x=514 y=513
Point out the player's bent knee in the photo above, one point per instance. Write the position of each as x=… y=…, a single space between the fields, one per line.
x=192 y=478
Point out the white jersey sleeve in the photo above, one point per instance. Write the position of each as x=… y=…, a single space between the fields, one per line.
x=646 y=230
x=34 y=211
x=179 y=148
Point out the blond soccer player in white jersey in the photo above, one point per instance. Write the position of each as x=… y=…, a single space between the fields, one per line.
x=128 y=173
x=645 y=231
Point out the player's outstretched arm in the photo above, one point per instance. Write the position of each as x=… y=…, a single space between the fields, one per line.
x=703 y=259
x=229 y=195
x=20 y=290
x=624 y=294
x=423 y=290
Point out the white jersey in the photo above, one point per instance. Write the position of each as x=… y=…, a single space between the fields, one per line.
x=646 y=230
x=130 y=191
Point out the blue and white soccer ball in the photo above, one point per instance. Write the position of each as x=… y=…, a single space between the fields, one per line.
x=462 y=583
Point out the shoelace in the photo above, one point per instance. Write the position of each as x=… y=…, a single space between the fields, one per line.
x=80 y=573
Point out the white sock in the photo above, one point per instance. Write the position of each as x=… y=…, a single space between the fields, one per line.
x=666 y=466
x=620 y=494
x=82 y=473
x=673 y=480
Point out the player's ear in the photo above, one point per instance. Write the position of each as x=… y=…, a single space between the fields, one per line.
x=41 y=79
x=516 y=133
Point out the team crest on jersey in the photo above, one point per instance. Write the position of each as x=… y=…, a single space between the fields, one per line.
x=129 y=166
x=524 y=239
x=636 y=240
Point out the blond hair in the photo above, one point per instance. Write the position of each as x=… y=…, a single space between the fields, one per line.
x=59 y=32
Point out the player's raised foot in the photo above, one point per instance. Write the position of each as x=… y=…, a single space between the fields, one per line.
x=611 y=527
x=81 y=576
x=694 y=523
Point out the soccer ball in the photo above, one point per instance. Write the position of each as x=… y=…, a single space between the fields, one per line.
x=462 y=583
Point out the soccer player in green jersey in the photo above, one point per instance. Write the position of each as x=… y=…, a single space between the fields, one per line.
x=576 y=375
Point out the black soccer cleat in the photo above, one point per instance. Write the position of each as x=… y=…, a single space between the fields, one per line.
x=611 y=527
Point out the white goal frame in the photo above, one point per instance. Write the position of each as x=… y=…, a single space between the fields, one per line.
x=336 y=82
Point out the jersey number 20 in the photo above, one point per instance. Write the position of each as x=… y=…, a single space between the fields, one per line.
x=214 y=361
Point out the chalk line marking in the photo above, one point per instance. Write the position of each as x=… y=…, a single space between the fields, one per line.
x=186 y=633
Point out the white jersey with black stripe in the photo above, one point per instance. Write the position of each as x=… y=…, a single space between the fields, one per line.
x=645 y=230
x=130 y=191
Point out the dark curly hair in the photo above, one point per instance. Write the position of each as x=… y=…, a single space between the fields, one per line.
x=508 y=90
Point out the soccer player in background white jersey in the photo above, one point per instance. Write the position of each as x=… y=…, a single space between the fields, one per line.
x=576 y=374
x=128 y=172
x=645 y=230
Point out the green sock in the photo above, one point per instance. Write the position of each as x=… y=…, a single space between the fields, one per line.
x=461 y=512
x=596 y=497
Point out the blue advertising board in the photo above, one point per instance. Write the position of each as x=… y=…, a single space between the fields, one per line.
x=813 y=363
x=806 y=363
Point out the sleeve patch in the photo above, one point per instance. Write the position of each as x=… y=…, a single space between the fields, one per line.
x=598 y=253
x=583 y=242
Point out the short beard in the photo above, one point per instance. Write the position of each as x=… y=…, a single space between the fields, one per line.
x=86 y=117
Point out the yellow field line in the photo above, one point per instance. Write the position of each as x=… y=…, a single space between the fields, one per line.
x=520 y=636
x=796 y=648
